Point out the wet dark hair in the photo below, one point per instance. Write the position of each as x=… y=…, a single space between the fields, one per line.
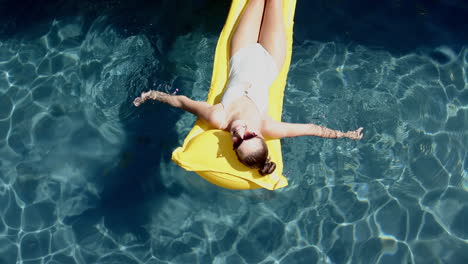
x=258 y=159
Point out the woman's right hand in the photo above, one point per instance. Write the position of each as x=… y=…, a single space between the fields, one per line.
x=356 y=134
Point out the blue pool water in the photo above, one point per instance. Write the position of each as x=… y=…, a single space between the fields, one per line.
x=87 y=178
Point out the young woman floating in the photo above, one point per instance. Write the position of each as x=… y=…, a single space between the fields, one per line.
x=258 y=50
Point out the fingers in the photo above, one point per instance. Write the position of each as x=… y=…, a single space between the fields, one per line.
x=140 y=100
x=358 y=133
x=137 y=102
x=155 y=95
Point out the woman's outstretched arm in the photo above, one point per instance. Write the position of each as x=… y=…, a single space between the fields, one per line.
x=275 y=129
x=202 y=110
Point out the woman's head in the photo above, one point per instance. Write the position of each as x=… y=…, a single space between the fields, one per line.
x=251 y=149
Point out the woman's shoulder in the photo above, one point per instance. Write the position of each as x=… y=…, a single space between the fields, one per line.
x=268 y=125
x=218 y=117
x=266 y=118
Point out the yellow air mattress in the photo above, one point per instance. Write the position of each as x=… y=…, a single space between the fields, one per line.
x=207 y=151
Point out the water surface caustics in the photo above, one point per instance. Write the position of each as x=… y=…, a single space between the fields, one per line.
x=397 y=196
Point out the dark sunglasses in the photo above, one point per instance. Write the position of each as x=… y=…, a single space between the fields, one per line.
x=237 y=140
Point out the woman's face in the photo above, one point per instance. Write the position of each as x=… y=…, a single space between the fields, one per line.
x=241 y=137
x=238 y=128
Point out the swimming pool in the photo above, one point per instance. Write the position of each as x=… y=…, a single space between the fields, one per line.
x=87 y=178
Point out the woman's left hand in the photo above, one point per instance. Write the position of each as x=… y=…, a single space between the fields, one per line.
x=151 y=94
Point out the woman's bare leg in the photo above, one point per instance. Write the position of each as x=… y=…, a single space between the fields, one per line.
x=272 y=32
x=248 y=29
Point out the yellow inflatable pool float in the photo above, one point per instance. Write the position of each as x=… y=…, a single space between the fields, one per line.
x=208 y=151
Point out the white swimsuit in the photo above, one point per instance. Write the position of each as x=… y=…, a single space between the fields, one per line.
x=252 y=71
